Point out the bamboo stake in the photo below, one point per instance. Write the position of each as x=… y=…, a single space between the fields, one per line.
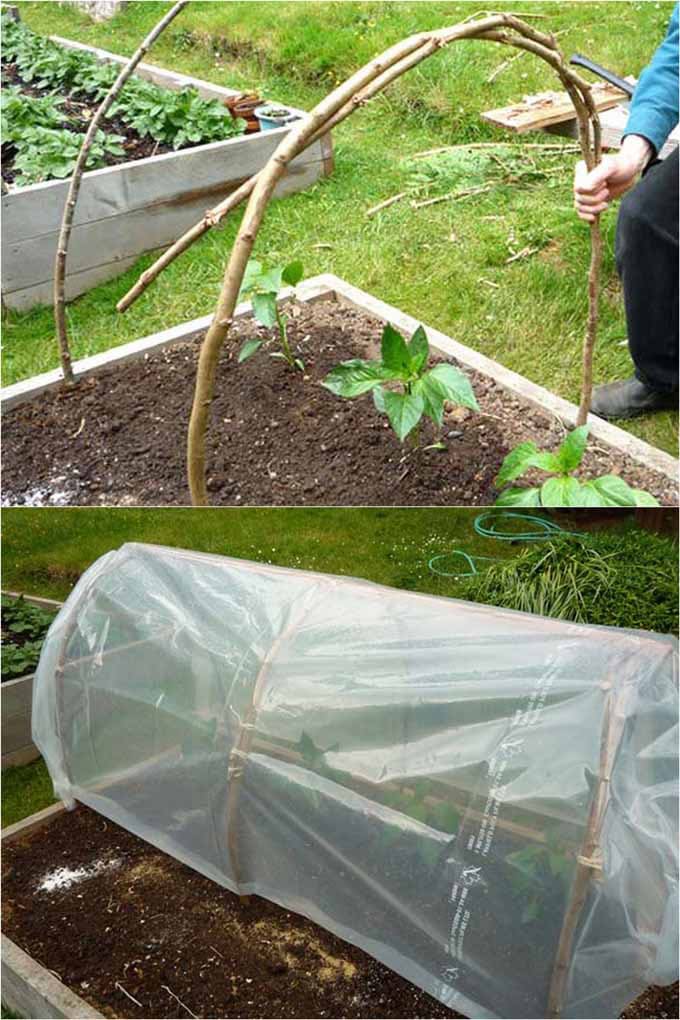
x=74 y=188
x=342 y=101
x=589 y=861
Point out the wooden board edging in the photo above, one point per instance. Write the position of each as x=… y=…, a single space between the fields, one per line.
x=27 y=389
x=28 y=988
x=328 y=287
x=33 y=600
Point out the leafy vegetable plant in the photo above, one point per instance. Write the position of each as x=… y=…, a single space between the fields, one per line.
x=46 y=153
x=20 y=112
x=402 y=385
x=535 y=871
x=562 y=488
x=174 y=118
x=23 y=629
x=263 y=286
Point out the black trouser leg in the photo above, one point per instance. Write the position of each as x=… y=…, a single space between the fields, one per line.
x=647 y=261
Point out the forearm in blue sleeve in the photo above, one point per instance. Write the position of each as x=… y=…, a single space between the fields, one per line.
x=654 y=109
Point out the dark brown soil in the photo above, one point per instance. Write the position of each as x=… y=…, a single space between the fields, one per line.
x=276 y=438
x=149 y=926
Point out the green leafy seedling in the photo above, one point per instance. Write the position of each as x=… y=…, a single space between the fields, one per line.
x=562 y=488
x=417 y=390
x=263 y=286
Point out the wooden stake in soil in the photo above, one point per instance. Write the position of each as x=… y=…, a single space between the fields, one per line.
x=74 y=188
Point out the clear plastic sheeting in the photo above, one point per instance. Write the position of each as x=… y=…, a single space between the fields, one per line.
x=484 y=800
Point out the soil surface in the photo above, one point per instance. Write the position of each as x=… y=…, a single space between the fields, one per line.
x=276 y=437
x=118 y=920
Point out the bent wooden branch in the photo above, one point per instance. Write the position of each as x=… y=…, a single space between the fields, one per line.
x=340 y=103
x=74 y=188
x=589 y=861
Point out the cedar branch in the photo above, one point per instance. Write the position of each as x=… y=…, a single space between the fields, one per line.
x=74 y=188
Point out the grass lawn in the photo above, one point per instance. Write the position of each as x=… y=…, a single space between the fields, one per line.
x=445 y=264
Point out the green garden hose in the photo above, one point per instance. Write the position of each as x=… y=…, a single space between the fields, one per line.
x=537 y=529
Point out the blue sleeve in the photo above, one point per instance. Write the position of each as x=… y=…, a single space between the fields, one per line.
x=654 y=108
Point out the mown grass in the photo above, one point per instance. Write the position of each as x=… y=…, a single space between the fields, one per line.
x=46 y=551
x=446 y=264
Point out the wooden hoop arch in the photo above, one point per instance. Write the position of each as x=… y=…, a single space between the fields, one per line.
x=339 y=104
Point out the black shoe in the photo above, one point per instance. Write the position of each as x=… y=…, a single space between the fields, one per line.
x=630 y=398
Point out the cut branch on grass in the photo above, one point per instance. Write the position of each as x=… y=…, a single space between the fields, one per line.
x=385 y=204
x=544 y=146
x=74 y=189
x=450 y=196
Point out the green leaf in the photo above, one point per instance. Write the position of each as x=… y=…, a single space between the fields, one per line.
x=530 y=912
x=248 y=349
x=293 y=273
x=404 y=411
x=270 y=282
x=418 y=349
x=516 y=463
x=613 y=491
x=252 y=273
x=395 y=354
x=431 y=392
x=547 y=461
x=454 y=385
x=561 y=491
x=570 y=453
x=644 y=498
x=519 y=497
x=379 y=399
x=264 y=309
x=444 y=817
x=352 y=378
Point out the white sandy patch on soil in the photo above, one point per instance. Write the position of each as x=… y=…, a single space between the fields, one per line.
x=64 y=878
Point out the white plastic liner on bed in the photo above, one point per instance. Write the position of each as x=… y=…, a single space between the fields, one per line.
x=421 y=776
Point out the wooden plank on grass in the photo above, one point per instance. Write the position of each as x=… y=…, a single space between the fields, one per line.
x=546 y=108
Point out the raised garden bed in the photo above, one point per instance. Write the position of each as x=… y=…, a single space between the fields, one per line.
x=134 y=206
x=135 y=924
x=24 y=624
x=278 y=437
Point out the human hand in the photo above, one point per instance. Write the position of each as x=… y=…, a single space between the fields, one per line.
x=611 y=178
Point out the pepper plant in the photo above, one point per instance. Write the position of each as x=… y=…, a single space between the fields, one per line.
x=263 y=286
x=562 y=488
x=403 y=387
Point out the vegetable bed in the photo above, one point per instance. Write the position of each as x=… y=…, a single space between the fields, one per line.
x=135 y=933
x=24 y=626
x=278 y=436
x=170 y=149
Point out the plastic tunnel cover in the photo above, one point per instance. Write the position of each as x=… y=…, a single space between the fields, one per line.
x=484 y=800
